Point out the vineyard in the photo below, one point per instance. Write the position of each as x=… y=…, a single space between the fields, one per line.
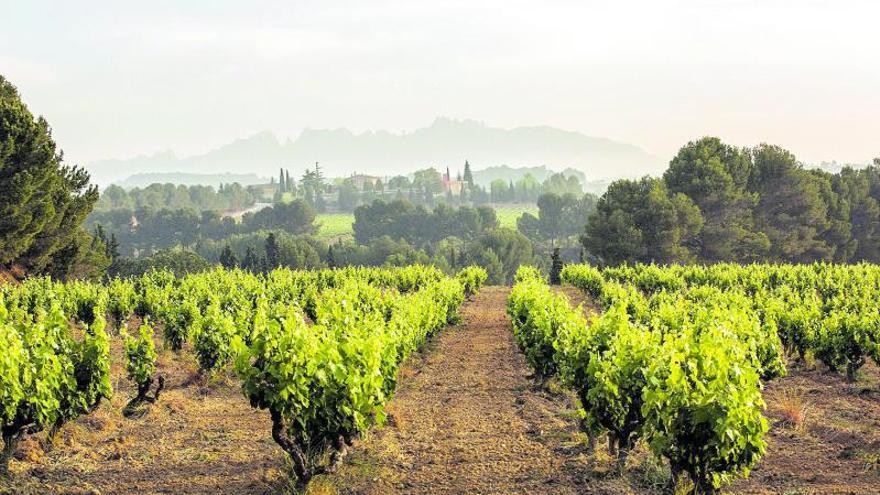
x=679 y=355
x=319 y=351
x=677 y=370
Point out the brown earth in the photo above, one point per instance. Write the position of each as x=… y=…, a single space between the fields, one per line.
x=11 y=275
x=835 y=446
x=468 y=418
x=201 y=437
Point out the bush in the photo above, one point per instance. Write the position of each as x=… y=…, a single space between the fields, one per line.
x=140 y=357
x=703 y=407
x=612 y=381
x=46 y=376
x=585 y=278
x=845 y=340
x=472 y=278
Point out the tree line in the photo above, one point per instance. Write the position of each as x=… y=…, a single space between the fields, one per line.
x=718 y=202
x=227 y=197
x=147 y=229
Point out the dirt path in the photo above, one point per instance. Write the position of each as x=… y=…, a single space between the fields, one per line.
x=468 y=419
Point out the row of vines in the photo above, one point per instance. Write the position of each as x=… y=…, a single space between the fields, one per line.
x=679 y=355
x=318 y=350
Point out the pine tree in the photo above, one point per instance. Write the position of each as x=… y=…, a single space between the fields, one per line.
x=281 y=182
x=43 y=202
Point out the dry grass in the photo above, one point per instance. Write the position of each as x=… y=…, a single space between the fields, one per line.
x=202 y=436
x=792 y=409
x=321 y=486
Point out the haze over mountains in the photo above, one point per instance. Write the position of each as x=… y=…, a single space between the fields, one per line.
x=445 y=143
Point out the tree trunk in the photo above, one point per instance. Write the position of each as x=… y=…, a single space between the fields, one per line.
x=851 y=368
x=624 y=445
x=279 y=434
x=159 y=388
x=143 y=395
x=340 y=446
x=49 y=442
x=143 y=390
x=622 y=456
x=612 y=445
x=592 y=442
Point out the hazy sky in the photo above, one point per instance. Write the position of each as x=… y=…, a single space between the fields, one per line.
x=120 y=78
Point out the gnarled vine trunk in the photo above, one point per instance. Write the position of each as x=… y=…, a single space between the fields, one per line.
x=294 y=450
x=143 y=395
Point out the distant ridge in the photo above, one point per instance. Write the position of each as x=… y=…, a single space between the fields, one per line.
x=445 y=143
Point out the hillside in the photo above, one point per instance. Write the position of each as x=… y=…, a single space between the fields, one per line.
x=445 y=142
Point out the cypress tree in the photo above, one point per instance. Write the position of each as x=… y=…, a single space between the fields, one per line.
x=272 y=254
x=331 y=257
x=113 y=247
x=251 y=261
x=228 y=258
x=468 y=176
x=555 y=267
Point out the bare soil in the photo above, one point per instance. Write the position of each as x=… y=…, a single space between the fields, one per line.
x=834 y=448
x=468 y=417
x=201 y=437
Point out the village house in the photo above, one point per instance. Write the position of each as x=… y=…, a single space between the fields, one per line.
x=454 y=186
x=360 y=180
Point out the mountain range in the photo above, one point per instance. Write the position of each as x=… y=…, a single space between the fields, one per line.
x=445 y=143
